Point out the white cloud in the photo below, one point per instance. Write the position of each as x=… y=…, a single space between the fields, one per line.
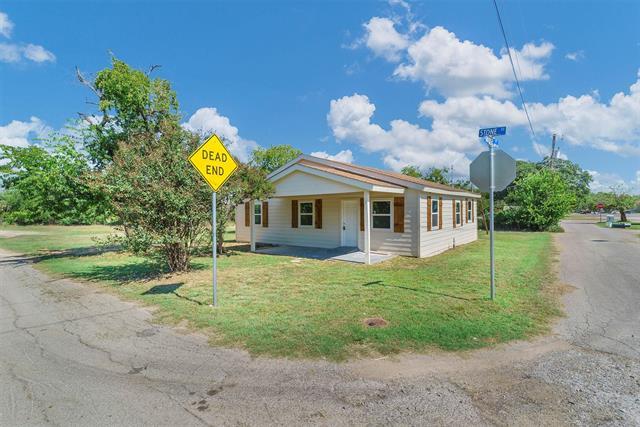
x=604 y=181
x=477 y=84
x=457 y=67
x=10 y=52
x=207 y=120
x=403 y=144
x=345 y=156
x=6 y=26
x=575 y=56
x=612 y=126
x=383 y=39
x=445 y=63
x=15 y=52
x=18 y=133
x=38 y=53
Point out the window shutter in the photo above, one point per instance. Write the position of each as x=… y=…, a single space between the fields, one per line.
x=318 y=213
x=294 y=214
x=440 y=213
x=265 y=214
x=361 y=214
x=428 y=213
x=398 y=214
x=247 y=214
x=453 y=203
x=466 y=215
x=473 y=211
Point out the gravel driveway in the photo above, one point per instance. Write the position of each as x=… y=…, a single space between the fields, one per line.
x=74 y=356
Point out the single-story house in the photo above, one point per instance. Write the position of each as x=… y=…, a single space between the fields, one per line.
x=327 y=204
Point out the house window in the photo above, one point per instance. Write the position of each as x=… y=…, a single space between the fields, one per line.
x=257 y=213
x=306 y=214
x=469 y=210
x=434 y=213
x=458 y=213
x=381 y=214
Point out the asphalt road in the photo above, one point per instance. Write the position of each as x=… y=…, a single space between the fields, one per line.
x=72 y=356
x=603 y=313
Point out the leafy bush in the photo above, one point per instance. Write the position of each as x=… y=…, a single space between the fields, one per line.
x=537 y=202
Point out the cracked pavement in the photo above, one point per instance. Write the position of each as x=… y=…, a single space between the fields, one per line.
x=70 y=355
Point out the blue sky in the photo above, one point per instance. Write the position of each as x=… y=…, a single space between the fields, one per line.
x=382 y=84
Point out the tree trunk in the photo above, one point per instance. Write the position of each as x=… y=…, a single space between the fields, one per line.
x=484 y=216
x=623 y=215
x=177 y=257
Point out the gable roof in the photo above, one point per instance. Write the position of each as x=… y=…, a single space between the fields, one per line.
x=347 y=174
x=369 y=175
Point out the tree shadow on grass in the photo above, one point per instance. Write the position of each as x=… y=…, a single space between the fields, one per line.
x=122 y=273
x=119 y=272
x=168 y=289
x=37 y=257
x=419 y=290
x=229 y=250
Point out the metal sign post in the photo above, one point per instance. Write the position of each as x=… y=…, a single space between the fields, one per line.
x=492 y=171
x=492 y=188
x=215 y=164
x=214 y=248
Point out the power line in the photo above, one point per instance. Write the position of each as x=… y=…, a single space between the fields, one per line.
x=515 y=75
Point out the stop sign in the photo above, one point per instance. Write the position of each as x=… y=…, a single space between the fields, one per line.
x=504 y=170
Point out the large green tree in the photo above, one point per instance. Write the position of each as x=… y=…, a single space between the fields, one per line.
x=48 y=184
x=618 y=199
x=274 y=157
x=162 y=204
x=576 y=179
x=433 y=174
x=141 y=153
x=130 y=102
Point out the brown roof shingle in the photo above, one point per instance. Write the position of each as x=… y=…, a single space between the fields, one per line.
x=363 y=173
x=347 y=174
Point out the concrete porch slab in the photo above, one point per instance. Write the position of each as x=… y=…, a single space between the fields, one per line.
x=335 y=254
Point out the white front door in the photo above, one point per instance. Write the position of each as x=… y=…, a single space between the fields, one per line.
x=349 y=223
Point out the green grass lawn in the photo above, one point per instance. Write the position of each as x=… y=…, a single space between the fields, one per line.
x=281 y=306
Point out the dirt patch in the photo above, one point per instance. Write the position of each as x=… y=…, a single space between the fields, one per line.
x=7 y=234
x=375 y=322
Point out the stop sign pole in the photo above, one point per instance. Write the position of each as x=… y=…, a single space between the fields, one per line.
x=492 y=170
x=492 y=187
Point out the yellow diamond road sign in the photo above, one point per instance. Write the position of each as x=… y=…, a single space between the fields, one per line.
x=214 y=162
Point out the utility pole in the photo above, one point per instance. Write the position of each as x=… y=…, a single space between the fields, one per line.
x=554 y=153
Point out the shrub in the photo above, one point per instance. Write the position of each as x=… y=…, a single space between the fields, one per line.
x=537 y=202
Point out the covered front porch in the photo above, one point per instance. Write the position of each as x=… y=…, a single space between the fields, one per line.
x=345 y=254
x=332 y=213
x=334 y=226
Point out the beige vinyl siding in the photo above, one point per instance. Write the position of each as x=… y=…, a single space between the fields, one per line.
x=303 y=183
x=439 y=240
x=397 y=243
x=414 y=241
x=242 y=232
x=280 y=231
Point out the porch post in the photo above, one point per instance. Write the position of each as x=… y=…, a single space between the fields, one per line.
x=367 y=228
x=252 y=225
